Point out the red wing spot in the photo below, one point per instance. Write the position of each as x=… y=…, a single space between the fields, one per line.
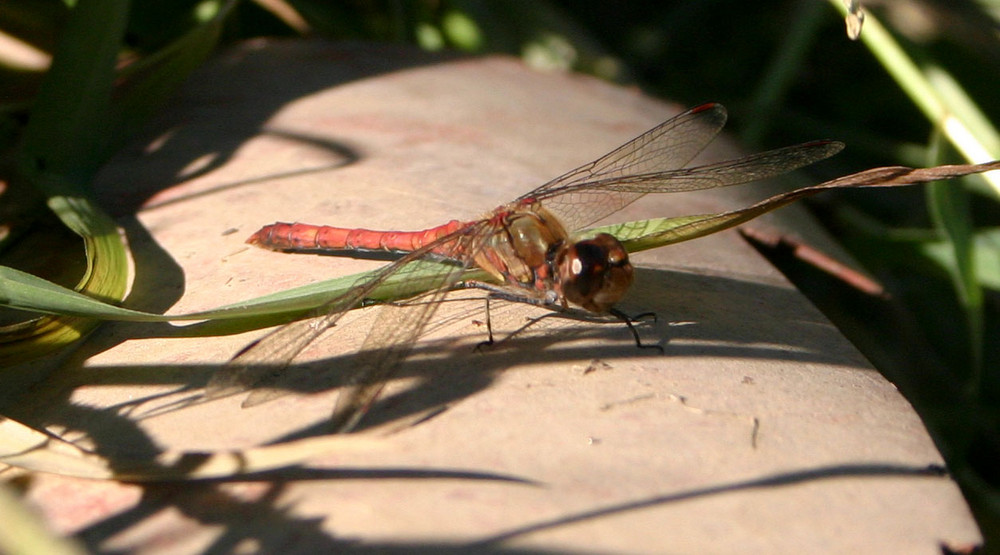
x=704 y=107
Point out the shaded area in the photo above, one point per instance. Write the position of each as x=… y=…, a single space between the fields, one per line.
x=695 y=318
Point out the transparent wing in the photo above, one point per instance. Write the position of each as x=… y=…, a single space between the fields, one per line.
x=668 y=146
x=652 y=163
x=393 y=335
x=386 y=346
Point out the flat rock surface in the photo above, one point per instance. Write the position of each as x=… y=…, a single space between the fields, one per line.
x=760 y=429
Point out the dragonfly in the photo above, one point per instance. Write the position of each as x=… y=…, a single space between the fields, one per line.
x=530 y=245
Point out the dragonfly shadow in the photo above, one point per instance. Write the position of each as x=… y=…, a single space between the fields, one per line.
x=721 y=317
x=697 y=316
x=440 y=376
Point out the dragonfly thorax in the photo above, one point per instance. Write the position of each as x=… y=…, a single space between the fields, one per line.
x=531 y=250
x=519 y=249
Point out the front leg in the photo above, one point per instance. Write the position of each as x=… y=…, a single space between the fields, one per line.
x=504 y=293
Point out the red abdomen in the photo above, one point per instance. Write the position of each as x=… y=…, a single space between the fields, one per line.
x=286 y=236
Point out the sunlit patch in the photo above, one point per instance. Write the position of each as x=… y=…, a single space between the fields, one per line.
x=198 y=165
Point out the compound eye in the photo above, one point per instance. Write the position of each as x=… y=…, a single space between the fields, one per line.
x=594 y=273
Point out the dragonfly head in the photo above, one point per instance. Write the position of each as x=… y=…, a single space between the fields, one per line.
x=593 y=273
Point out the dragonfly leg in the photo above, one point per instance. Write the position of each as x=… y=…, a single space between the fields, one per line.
x=499 y=292
x=489 y=329
x=643 y=315
x=491 y=340
x=630 y=323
